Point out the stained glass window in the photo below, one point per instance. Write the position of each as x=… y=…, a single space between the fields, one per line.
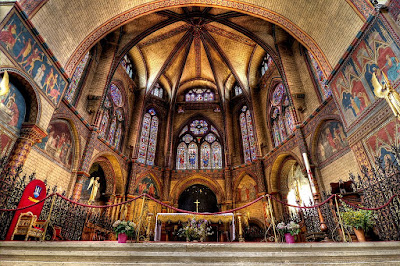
x=112 y=123
x=266 y=64
x=148 y=138
x=237 y=89
x=319 y=76
x=199 y=147
x=76 y=77
x=127 y=65
x=248 y=139
x=282 y=120
x=158 y=91
x=199 y=95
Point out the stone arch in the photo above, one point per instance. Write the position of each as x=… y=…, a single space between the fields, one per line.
x=193 y=180
x=113 y=171
x=274 y=176
x=257 y=11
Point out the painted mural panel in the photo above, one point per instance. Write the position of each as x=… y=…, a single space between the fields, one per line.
x=59 y=142
x=146 y=185
x=247 y=190
x=20 y=44
x=377 y=53
x=394 y=10
x=12 y=107
x=332 y=139
x=379 y=142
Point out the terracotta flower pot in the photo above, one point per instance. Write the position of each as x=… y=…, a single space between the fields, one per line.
x=360 y=234
x=289 y=238
x=122 y=238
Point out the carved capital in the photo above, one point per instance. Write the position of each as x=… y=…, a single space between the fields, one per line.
x=32 y=133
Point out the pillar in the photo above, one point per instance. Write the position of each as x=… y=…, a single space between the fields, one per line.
x=228 y=188
x=260 y=176
x=80 y=179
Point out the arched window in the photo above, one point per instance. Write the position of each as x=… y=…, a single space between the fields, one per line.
x=76 y=77
x=266 y=64
x=248 y=139
x=282 y=121
x=113 y=119
x=199 y=95
x=237 y=89
x=126 y=63
x=148 y=138
x=199 y=147
x=318 y=76
x=158 y=91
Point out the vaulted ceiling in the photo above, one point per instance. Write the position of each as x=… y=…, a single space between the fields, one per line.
x=200 y=47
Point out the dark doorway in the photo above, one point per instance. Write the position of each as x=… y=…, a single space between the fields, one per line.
x=95 y=171
x=198 y=193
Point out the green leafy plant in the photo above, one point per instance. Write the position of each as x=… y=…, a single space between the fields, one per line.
x=126 y=227
x=359 y=219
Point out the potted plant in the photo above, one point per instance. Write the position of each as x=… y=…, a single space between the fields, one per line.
x=195 y=230
x=360 y=220
x=124 y=229
x=289 y=231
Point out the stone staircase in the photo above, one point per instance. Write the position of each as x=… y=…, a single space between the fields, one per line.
x=178 y=253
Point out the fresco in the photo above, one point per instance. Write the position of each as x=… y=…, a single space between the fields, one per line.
x=146 y=185
x=379 y=142
x=376 y=53
x=6 y=144
x=21 y=45
x=332 y=139
x=59 y=142
x=247 y=190
x=12 y=107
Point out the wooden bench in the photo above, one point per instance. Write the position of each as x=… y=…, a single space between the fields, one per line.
x=28 y=226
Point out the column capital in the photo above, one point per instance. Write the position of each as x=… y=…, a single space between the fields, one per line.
x=32 y=132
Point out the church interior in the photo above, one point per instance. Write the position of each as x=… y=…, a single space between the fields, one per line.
x=203 y=106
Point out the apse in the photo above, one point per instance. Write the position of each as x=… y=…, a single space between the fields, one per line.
x=204 y=196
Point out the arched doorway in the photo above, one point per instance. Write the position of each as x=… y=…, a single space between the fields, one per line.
x=207 y=201
x=95 y=171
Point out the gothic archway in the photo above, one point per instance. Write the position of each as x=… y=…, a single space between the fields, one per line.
x=207 y=201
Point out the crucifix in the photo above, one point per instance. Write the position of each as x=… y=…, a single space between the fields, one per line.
x=197 y=202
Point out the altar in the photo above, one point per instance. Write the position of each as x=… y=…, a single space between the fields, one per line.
x=227 y=218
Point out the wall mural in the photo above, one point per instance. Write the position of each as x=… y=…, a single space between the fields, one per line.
x=379 y=142
x=331 y=140
x=247 y=190
x=146 y=185
x=12 y=107
x=20 y=44
x=6 y=144
x=59 y=142
x=377 y=52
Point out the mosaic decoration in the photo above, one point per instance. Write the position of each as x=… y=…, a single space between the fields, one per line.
x=30 y=5
x=377 y=52
x=158 y=91
x=247 y=190
x=282 y=120
x=20 y=44
x=319 y=77
x=380 y=141
x=112 y=124
x=126 y=63
x=12 y=108
x=248 y=139
x=332 y=139
x=266 y=64
x=199 y=95
x=58 y=144
x=199 y=148
x=72 y=88
x=147 y=185
x=148 y=138
x=198 y=127
x=394 y=10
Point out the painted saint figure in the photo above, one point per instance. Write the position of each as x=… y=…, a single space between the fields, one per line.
x=95 y=184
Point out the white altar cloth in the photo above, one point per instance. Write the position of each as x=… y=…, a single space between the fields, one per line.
x=184 y=217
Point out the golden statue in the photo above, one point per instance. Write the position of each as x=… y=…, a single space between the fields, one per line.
x=4 y=85
x=96 y=184
x=388 y=93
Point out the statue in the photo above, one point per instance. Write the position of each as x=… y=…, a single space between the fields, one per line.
x=96 y=184
x=388 y=93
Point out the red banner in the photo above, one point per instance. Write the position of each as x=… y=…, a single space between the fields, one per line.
x=34 y=192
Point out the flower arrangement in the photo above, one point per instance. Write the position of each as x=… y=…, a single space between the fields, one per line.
x=126 y=227
x=195 y=230
x=292 y=228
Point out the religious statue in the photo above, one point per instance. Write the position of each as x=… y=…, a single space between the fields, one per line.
x=388 y=93
x=96 y=184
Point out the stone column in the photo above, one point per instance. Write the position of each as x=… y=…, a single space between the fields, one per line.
x=228 y=188
x=80 y=179
x=167 y=183
x=260 y=176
